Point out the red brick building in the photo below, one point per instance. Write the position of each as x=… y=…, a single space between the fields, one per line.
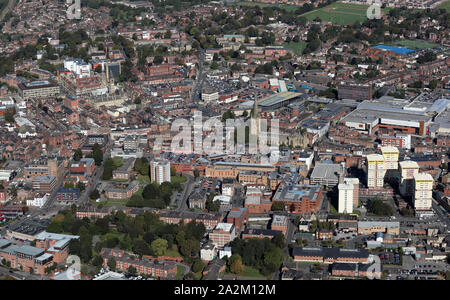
x=300 y=199
x=330 y=255
x=26 y=258
x=260 y=233
x=163 y=269
x=238 y=217
x=279 y=223
x=55 y=244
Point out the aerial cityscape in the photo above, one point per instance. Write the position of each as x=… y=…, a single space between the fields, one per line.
x=224 y=140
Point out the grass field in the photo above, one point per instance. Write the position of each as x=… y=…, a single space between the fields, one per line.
x=248 y=272
x=110 y=235
x=180 y=179
x=115 y=202
x=143 y=179
x=415 y=44
x=445 y=5
x=340 y=13
x=296 y=47
x=262 y=5
x=337 y=13
x=251 y=272
x=180 y=272
x=172 y=253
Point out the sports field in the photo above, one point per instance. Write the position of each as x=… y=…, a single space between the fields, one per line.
x=340 y=13
x=415 y=44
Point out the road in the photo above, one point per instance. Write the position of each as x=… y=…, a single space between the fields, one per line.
x=289 y=237
x=188 y=187
x=50 y=204
x=200 y=78
x=440 y=214
x=84 y=199
x=238 y=198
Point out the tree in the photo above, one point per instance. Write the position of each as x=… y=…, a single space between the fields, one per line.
x=228 y=115
x=198 y=266
x=277 y=206
x=98 y=69
x=69 y=185
x=9 y=117
x=112 y=263
x=136 y=201
x=151 y=191
x=417 y=84
x=78 y=155
x=379 y=208
x=108 y=169
x=433 y=84
x=158 y=60
x=278 y=240
x=132 y=270
x=196 y=173
x=97 y=261
x=236 y=266
x=426 y=57
x=142 y=166
x=189 y=247
x=272 y=260
x=173 y=171
x=141 y=248
x=407 y=212
x=94 y=195
x=81 y=186
x=159 y=247
x=214 y=65
x=180 y=237
x=97 y=154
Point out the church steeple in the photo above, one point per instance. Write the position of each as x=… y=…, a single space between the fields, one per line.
x=255 y=112
x=255 y=126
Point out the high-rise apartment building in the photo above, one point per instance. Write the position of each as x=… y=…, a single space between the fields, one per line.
x=160 y=171
x=407 y=171
x=390 y=155
x=423 y=191
x=348 y=195
x=376 y=170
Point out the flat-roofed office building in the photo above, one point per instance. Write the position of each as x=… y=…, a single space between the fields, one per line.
x=39 y=89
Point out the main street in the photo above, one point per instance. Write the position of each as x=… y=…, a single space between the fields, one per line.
x=200 y=78
x=84 y=199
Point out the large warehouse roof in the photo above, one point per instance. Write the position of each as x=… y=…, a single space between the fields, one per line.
x=278 y=98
